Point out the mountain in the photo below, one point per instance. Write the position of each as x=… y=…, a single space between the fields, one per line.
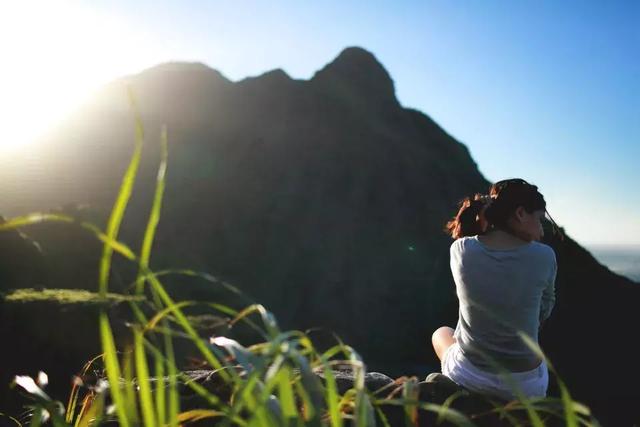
x=323 y=199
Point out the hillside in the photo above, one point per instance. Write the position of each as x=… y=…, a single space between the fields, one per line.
x=323 y=199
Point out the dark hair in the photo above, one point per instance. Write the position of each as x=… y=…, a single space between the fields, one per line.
x=478 y=213
x=468 y=221
x=506 y=196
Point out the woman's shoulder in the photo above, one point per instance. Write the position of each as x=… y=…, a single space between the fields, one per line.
x=472 y=243
x=459 y=241
x=544 y=250
x=463 y=243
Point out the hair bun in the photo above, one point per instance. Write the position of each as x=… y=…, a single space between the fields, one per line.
x=469 y=219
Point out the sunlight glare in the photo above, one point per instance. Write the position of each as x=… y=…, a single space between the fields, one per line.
x=54 y=54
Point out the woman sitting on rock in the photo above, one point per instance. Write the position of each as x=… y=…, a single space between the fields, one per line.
x=505 y=286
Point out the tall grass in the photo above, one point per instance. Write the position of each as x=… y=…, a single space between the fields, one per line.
x=271 y=383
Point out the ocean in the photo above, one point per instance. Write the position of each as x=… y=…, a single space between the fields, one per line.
x=622 y=259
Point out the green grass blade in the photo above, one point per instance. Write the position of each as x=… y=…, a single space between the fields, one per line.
x=111 y=242
x=410 y=394
x=142 y=374
x=203 y=392
x=382 y=416
x=450 y=415
x=36 y=417
x=184 y=323
x=113 y=369
x=363 y=408
x=532 y=413
x=570 y=414
x=154 y=217
x=240 y=354
x=447 y=403
x=331 y=394
x=16 y=422
x=286 y=394
x=213 y=400
x=202 y=275
x=174 y=397
x=198 y=414
x=308 y=410
x=161 y=362
x=160 y=392
x=310 y=389
x=92 y=415
x=72 y=403
x=243 y=397
x=128 y=388
x=503 y=412
x=151 y=324
x=267 y=318
x=75 y=391
x=247 y=398
x=37 y=218
x=120 y=205
x=33 y=218
x=568 y=403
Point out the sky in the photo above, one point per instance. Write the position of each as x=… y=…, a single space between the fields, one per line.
x=542 y=90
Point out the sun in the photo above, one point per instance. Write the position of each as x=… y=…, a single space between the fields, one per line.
x=54 y=55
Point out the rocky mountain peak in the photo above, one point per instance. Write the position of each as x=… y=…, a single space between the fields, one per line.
x=358 y=72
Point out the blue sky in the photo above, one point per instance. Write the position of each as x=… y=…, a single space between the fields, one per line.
x=544 y=90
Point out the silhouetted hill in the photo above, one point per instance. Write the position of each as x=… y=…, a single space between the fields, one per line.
x=322 y=199
x=357 y=76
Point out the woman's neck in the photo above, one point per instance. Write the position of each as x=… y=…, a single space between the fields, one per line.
x=500 y=239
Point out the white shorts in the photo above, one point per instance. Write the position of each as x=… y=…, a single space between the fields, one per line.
x=531 y=383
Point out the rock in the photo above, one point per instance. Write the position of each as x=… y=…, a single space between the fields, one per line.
x=435 y=389
x=344 y=378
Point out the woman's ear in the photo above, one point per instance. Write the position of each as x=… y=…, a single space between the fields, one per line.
x=519 y=213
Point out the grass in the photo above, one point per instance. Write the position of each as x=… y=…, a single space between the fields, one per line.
x=68 y=296
x=270 y=383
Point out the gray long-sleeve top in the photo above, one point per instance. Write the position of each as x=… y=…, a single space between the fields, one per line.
x=501 y=292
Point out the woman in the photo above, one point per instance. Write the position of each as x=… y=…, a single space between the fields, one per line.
x=505 y=286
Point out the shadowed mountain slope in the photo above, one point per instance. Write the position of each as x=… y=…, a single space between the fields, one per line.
x=322 y=199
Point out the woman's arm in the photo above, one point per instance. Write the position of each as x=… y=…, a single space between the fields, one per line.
x=549 y=292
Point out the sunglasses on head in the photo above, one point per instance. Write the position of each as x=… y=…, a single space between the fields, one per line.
x=507 y=182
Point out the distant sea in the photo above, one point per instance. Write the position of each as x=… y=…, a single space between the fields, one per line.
x=621 y=259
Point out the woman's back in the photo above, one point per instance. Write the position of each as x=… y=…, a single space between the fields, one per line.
x=501 y=292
